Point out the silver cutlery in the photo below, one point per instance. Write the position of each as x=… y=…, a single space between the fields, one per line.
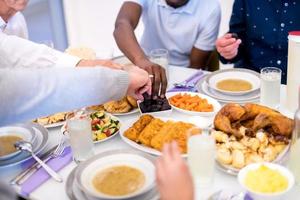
x=26 y=146
x=184 y=84
x=52 y=153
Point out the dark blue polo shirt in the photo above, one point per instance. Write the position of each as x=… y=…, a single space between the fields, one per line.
x=263 y=26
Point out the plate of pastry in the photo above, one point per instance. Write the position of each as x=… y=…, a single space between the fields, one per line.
x=55 y=120
x=126 y=106
x=149 y=133
x=250 y=134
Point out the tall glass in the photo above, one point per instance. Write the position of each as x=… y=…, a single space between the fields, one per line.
x=201 y=157
x=270 y=87
x=80 y=132
x=161 y=57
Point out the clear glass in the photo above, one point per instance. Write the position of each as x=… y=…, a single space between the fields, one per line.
x=270 y=87
x=294 y=161
x=201 y=157
x=161 y=57
x=80 y=133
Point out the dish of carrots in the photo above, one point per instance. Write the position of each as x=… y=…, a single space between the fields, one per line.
x=191 y=103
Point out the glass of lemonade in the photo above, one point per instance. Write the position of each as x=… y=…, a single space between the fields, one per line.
x=270 y=87
x=161 y=57
x=80 y=132
x=201 y=157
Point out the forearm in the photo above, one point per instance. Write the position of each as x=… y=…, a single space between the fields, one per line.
x=30 y=93
x=127 y=42
x=27 y=54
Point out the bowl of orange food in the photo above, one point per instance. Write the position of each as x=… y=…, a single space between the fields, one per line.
x=193 y=103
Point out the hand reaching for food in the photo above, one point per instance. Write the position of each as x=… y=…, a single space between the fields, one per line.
x=139 y=82
x=173 y=177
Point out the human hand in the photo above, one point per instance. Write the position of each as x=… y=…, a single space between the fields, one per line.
x=227 y=46
x=158 y=77
x=139 y=82
x=173 y=177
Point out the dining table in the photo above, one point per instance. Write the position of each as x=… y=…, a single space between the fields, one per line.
x=221 y=181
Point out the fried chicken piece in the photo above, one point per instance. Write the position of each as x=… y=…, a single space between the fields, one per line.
x=133 y=132
x=157 y=141
x=132 y=101
x=229 y=114
x=121 y=106
x=150 y=131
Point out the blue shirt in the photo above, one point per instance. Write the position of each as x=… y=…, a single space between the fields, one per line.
x=263 y=26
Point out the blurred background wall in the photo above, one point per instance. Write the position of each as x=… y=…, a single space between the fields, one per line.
x=85 y=23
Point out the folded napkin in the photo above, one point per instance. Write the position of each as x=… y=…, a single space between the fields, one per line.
x=194 y=79
x=41 y=176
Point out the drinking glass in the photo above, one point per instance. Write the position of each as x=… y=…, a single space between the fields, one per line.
x=161 y=57
x=201 y=157
x=270 y=87
x=80 y=132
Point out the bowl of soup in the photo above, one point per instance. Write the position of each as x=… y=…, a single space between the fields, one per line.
x=116 y=176
x=9 y=136
x=266 y=181
x=234 y=81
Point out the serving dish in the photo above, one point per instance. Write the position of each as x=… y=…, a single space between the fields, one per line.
x=104 y=125
x=155 y=131
x=24 y=132
x=249 y=134
x=88 y=169
x=249 y=76
x=266 y=196
x=216 y=105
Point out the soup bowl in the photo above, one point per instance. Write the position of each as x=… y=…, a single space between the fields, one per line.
x=89 y=169
x=24 y=132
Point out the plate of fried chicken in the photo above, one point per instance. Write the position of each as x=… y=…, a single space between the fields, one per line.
x=249 y=134
x=149 y=134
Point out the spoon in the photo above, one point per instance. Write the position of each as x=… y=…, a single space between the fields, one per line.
x=27 y=146
x=185 y=84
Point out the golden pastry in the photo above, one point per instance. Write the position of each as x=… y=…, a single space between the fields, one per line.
x=132 y=101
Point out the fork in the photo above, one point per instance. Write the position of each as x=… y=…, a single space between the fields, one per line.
x=56 y=153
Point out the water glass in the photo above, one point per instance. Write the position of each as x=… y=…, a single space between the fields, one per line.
x=80 y=132
x=270 y=87
x=201 y=157
x=161 y=57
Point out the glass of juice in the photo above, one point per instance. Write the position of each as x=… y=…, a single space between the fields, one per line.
x=81 y=141
x=161 y=57
x=201 y=157
x=270 y=87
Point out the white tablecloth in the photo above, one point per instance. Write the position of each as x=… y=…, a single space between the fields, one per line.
x=54 y=190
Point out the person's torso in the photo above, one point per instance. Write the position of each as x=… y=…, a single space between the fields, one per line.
x=173 y=29
x=268 y=23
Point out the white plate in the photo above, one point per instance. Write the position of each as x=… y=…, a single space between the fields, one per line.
x=136 y=110
x=65 y=132
x=201 y=122
x=38 y=146
x=87 y=171
x=24 y=132
x=251 y=97
x=216 y=105
x=242 y=74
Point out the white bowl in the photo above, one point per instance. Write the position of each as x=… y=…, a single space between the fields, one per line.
x=266 y=196
x=88 y=172
x=245 y=75
x=217 y=106
x=27 y=134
